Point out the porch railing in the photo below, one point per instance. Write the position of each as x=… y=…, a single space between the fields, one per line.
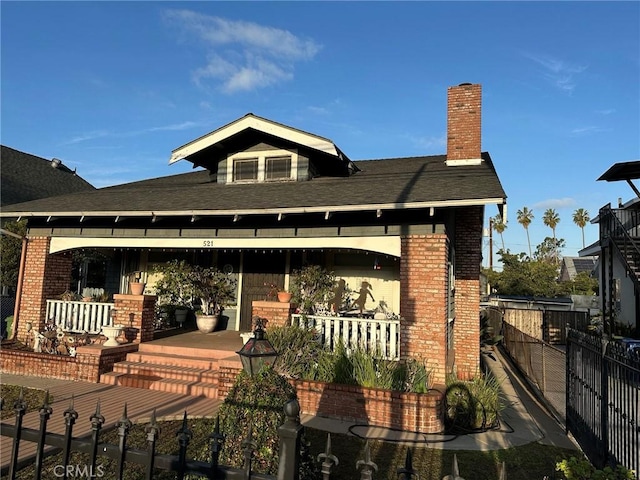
x=78 y=317
x=379 y=337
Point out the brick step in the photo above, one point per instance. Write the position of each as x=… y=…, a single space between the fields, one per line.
x=185 y=351
x=154 y=382
x=164 y=371
x=172 y=359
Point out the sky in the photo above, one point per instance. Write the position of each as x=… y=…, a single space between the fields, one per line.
x=111 y=88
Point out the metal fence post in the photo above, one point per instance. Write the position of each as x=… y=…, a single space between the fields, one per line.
x=290 y=433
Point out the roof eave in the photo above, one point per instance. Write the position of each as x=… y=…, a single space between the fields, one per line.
x=256 y=211
x=260 y=124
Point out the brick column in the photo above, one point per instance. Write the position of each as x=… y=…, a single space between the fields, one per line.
x=468 y=250
x=423 y=294
x=137 y=311
x=46 y=276
x=277 y=313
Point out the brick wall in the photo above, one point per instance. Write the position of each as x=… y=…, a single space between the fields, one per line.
x=89 y=363
x=277 y=313
x=468 y=248
x=423 y=300
x=407 y=411
x=45 y=276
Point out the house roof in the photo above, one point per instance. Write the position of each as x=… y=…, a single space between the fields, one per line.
x=622 y=171
x=27 y=177
x=571 y=266
x=207 y=150
x=394 y=183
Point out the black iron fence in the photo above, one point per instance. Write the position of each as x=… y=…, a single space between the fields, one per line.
x=603 y=399
x=290 y=432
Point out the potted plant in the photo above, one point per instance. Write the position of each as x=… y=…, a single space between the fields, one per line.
x=212 y=291
x=312 y=286
x=174 y=288
x=136 y=285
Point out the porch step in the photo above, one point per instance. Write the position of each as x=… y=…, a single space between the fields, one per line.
x=187 y=351
x=207 y=388
x=162 y=371
x=173 y=360
x=153 y=382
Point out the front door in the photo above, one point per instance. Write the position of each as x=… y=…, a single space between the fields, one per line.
x=258 y=272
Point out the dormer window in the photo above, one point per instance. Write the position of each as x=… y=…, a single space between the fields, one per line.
x=278 y=168
x=262 y=166
x=245 y=169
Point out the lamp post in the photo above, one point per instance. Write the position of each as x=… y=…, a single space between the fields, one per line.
x=257 y=352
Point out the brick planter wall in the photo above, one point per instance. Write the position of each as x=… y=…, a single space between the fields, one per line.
x=407 y=411
x=89 y=363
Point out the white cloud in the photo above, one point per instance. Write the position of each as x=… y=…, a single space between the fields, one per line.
x=559 y=73
x=566 y=202
x=86 y=136
x=587 y=130
x=243 y=55
x=133 y=133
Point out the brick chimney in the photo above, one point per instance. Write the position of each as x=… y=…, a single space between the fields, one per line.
x=464 y=104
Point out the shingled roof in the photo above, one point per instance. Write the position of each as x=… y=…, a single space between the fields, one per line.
x=27 y=177
x=394 y=183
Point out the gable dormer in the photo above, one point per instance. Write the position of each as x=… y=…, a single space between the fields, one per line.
x=253 y=149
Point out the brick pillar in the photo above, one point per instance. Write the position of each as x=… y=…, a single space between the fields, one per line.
x=46 y=276
x=137 y=311
x=468 y=249
x=423 y=300
x=277 y=313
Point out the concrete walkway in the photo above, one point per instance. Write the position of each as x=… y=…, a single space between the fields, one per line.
x=524 y=420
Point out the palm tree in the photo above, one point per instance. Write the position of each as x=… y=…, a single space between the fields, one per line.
x=525 y=217
x=551 y=220
x=581 y=218
x=499 y=226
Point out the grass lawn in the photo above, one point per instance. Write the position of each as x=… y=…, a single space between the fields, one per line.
x=529 y=462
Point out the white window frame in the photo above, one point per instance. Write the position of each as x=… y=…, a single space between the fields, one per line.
x=262 y=160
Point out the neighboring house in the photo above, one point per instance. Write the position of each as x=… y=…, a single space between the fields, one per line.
x=618 y=249
x=25 y=177
x=571 y=266
x=272 y=198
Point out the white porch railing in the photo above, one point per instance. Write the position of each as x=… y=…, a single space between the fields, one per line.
x=79 y=317
x=379 y=337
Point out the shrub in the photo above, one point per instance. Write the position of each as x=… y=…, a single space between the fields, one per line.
x=581 y=469
x=301 y=356
x=298 y=351
x=257 y=401
x=473 y=405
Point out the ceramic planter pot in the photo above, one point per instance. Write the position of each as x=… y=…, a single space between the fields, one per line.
x=137 y=288
x=284 y=297
x=181 y=315
x=112 y=332
x=207 y=323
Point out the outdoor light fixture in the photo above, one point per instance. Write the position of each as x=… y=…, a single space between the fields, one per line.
x=257 y=352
